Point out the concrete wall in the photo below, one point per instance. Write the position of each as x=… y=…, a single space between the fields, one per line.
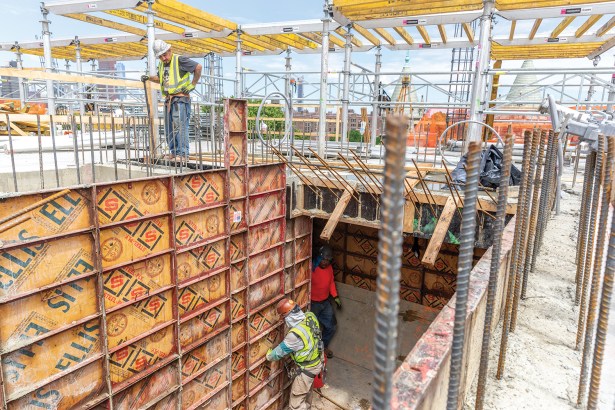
x=421 y=382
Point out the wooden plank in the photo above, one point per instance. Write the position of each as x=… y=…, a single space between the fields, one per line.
x=337 y=213
x=85 y=79
x=409 y=216
x=18 y=130
x=439 y=234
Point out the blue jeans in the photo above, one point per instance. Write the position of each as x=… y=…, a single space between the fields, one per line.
x=177 y=122
x=326 y=317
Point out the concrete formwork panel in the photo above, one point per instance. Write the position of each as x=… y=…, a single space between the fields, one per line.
x=121 y=293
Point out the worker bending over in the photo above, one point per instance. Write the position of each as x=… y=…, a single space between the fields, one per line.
x=323 y=287
x=174 y=79
x=304 y=345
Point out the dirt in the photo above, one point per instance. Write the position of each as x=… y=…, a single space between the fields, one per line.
x=542 y=367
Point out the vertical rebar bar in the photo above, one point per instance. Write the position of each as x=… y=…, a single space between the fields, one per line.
x=494 y=271
x=525 y=209
x=389 y=262
x=533 y=213
x=76 y=148
x=466 y=254
x=543 y=211
x=52 y=131
x=40 y=151
x=591 y=236
x=605 y=303
x=8 y=130
x=114 y=147
x=595 y=284
x=92 y=149
x=590 y=164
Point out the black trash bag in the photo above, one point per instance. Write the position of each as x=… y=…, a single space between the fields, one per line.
x=490 y=169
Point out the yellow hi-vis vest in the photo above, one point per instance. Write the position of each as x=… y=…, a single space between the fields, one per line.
x=177 y=84
x=308 y=331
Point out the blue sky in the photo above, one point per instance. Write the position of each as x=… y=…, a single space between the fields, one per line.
x=20 y=21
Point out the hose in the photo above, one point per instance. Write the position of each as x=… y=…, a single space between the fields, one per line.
x=439 y=144
x=288 y=120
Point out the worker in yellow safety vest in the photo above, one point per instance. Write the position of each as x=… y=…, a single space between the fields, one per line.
x=304 y=345
x=175 y=84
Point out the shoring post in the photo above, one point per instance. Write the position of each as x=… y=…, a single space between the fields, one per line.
x=374 y=124
x=19 y=60
x=79 y=63
x=479 y=89
x=324 y=72
x=51 y=99
x=346 y=84
x=151 y=37
x=238 y=69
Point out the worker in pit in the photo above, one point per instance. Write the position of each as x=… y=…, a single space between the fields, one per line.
x=323 y=290
x=174 y=79
x=303 y=343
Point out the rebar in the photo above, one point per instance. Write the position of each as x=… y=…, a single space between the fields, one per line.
x=543 y=211
x=525 y=210
x=595 y=284
x=533 y=213
x=590 y=164
x=605 y=303
x=591 y=236
x=498 y=229
x=389 y=261
x=466 y=253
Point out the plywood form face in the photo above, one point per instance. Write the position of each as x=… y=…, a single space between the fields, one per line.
x=267 y=393
x=171 y=276
x=261 y=374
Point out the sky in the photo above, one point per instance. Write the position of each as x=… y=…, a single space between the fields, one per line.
x=21 y=21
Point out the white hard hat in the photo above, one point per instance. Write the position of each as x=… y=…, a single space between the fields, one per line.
x=160 y=47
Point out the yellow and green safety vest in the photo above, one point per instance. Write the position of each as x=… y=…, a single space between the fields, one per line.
x=177 y=83
x=308 y=331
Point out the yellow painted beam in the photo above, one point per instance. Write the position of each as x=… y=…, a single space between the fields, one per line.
x=606 y=27
x=355 y=41
x=141 y=19
x=336 y=40
x=423 y=32
x=403 y=33
x=313 y=37
x=294 y=40
x=386 y=36
x=197 y=13
x=469 y=32
x=513 y=26
x=365 y=33
x=535 y=28
x=538 y=51
x=531 y=4
x=562 y=26
x=259 y=44
x=442 y=31
x=373 y=9
x=589 y=23
x=88 y=18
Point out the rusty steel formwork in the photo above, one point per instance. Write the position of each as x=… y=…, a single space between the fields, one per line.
x=151 y=293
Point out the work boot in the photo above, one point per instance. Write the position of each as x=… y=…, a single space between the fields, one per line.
x=328 y=353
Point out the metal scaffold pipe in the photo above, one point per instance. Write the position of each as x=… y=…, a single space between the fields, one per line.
x=346 y=84
x=500 y=218
x=238 y=82
x=605 y=302
x=151 y=37
x=466 y=254
x=324 y=73
x=389 y=261
x=51 y=103
x=374 y=124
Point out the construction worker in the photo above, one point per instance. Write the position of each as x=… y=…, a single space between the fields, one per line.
x=323 y=288
x=174 y=79
x=304 y=344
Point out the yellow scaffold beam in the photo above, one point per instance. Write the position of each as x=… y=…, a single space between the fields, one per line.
x=355 y=41
x=589 y=23
x=403 y=33
x=503 y=5
x=423 y=32
x=469 y=32
x=442 y=31
x=374 y=9
x=562 y=26
x=88 y=18
x=606 y=27
x=535 y=29
x=141 y=19
x=365 y=33
x=386 y=36
x=513 y=26
x=539 y=51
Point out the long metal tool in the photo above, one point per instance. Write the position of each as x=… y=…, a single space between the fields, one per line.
x=591 y=236
x=389 y=261
x=466 y=254
x=595 y=284
x=605 y=303
x=515 y=256
x=500 y=217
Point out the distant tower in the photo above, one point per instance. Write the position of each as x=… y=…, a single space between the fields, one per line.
x=521 y=89
x=405 y=93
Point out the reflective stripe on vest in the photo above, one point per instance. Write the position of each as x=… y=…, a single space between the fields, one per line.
x=177 y=84
x=309 y=355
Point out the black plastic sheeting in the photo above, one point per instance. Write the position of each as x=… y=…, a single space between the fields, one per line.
x=490 y=169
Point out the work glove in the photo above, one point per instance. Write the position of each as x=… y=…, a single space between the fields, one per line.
x=144 y=77
x=190 y=87
x=269 y=355
x=338 y=302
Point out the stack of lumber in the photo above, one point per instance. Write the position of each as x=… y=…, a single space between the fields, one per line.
x=18 y=128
